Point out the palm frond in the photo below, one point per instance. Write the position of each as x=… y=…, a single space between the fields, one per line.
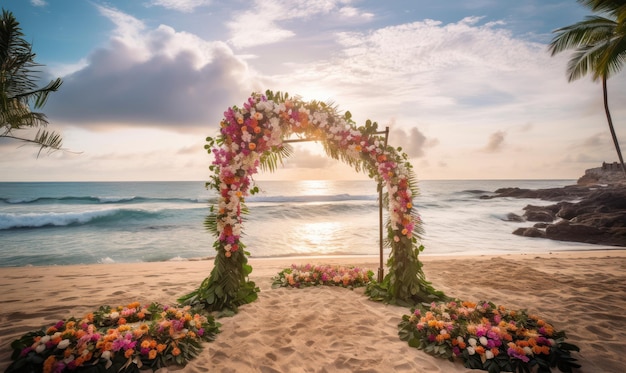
x=270 y=160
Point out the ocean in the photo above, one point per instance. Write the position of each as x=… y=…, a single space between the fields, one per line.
x=65 y=223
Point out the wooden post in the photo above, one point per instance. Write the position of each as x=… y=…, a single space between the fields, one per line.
x=381 y=268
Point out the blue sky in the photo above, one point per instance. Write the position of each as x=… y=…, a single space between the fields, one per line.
x=467 y=87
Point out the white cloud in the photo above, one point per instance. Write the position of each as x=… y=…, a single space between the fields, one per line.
x=264 y=22
x=38 y=3
x=185 y=6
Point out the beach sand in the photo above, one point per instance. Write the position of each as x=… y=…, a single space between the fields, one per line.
x=332 y=329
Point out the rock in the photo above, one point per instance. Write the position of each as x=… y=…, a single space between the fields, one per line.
x=539 y=213
x=588 y=212
x=529 y=232
x=566 y=231
x=513 y=217
x=609 y=174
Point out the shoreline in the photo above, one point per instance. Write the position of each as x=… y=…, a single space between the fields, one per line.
x=601 y=249
x=332 y=328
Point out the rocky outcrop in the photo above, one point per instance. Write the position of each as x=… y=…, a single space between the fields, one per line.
x=608 y=174
x=592 y=213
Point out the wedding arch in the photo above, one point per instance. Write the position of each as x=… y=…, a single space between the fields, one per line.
x=253 y=137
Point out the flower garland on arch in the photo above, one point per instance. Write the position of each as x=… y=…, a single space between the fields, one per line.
x=251 y=137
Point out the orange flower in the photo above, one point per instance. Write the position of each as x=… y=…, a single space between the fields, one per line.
x=176 y=351
x=480 y=350
x=152 y=354
x=49 y=364
x=257 y=129
x=252 y=146
x=161 y=347
x=409 y=205
x=121 y=321
x=129 y=353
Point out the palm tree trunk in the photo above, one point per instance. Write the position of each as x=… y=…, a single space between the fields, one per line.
x=608 y=117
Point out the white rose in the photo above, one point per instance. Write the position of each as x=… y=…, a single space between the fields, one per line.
x=106 y=355
x=470 y=350
x=489 y=354
x=528 y=351
x=483 y=341
x=472 y=342
x=115 y=315
x=44 y=339
x=40 y=348
x=63 y=344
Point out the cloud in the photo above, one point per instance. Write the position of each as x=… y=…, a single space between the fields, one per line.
x=152 y=77
x=185 y=6
x=264 y=23
x=304 y=158
x=412 y=141
x=38 y=3
x=495 y=143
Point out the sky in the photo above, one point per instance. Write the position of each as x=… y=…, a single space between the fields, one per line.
x=467 y=87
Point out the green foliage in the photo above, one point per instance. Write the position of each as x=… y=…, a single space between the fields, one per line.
x=226 y=288
x=18 y=89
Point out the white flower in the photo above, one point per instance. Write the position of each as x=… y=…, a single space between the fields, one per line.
x=472 y=342
x=40 y=348
x=106 y=355
x=483 y=341
x=459 y=339
x=115 y=315
x=63 y=344
x=44 y=339
x=489 y=354
x=470 y=350
x=528 y=351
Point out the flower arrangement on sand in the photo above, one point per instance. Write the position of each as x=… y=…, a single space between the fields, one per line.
x=122 y=339
x=488 y=337
x=298 y=276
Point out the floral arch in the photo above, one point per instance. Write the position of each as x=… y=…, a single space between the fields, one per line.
x=252 y=137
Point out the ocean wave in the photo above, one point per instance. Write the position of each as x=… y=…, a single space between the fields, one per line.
x=68 y=200
x=54 y=219
x=310 y=211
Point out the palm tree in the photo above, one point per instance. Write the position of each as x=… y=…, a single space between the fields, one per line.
x=18 y=89
x=599 y=43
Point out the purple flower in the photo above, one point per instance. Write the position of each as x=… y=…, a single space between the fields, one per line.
x=26 y=351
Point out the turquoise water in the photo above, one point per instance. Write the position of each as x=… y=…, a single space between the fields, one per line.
x=97 y=222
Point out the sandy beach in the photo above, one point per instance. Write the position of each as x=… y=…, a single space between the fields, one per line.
x=331 y=329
